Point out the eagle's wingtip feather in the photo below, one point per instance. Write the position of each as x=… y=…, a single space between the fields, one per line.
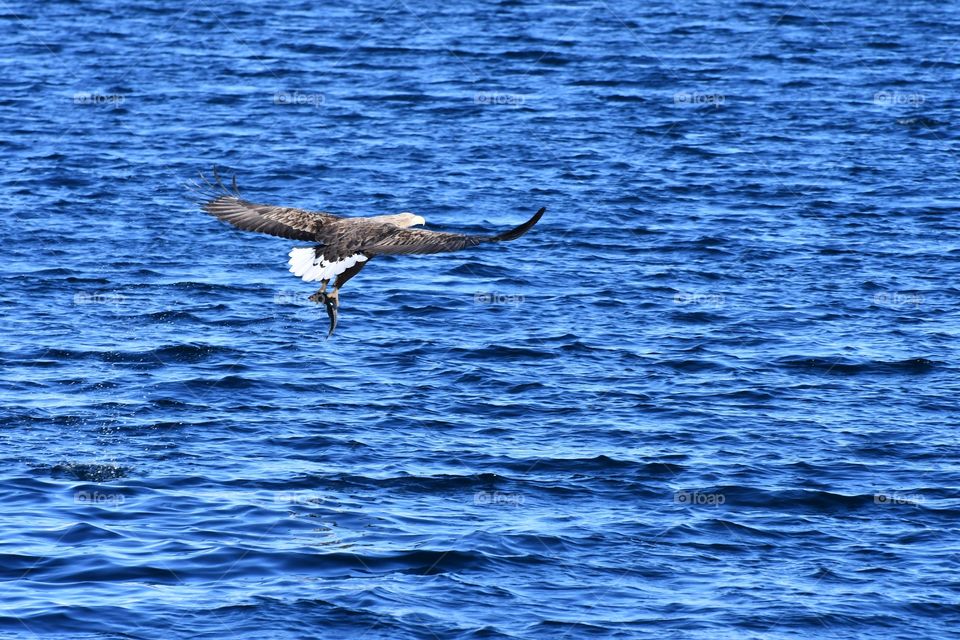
x=516 y=232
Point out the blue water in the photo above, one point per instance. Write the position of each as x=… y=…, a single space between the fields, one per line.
x=711 y=395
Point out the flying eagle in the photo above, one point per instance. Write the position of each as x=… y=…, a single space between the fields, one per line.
x=341 y=247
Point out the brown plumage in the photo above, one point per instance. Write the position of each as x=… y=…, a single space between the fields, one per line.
x=342 y=245
x=284 y=222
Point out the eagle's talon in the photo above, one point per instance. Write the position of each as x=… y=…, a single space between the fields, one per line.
x=319 y=297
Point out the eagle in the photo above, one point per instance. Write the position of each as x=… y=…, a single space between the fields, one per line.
x=339 y=246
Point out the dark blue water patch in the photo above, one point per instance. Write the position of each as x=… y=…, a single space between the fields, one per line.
x=88 y=472
x=707 y=396
x=846 y=366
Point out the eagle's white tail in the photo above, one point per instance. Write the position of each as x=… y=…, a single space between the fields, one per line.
x=305 y=263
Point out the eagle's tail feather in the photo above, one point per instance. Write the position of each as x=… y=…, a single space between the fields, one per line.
x=301 y=261
x=310 y=265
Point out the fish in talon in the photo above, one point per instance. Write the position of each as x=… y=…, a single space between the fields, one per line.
x=333 y=306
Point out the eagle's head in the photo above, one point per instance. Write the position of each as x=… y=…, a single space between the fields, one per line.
x=407 y=219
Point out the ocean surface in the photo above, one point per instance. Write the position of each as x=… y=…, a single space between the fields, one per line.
x=713 y=394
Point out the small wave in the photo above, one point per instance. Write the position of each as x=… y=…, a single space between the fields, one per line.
x=477 y=270
x=920 y=122
x=498 y=352
x=624 y=98
x=692 y=364
x=796 y=500
x=86 y=471
x=170 y=316
x=656 y=469
x=176 y=353
x=82 y=533
x=851 y=367
x=697 y=317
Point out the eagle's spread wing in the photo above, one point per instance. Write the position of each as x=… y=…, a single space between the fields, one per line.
x=422 y=241
x=285 y=222
x=405 y=241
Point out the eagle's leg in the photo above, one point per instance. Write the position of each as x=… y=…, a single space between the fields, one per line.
x=333 y=298
x=321 y=295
